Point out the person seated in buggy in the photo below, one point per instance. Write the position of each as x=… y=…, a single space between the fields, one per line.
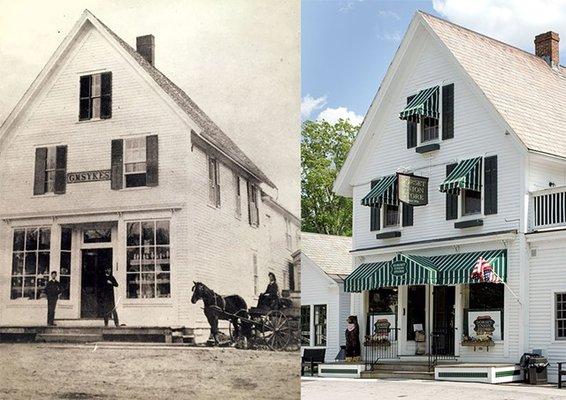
x=270 y=298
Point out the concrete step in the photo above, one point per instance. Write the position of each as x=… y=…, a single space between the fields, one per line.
x=414 y=367
x=376 y=374
x=69 y=338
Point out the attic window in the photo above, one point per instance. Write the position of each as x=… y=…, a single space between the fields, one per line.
x=95 y=96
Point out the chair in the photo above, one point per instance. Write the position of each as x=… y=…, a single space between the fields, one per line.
x=312 y=358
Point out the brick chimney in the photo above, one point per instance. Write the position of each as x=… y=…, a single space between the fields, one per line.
x=546 y=47
x=145 y=46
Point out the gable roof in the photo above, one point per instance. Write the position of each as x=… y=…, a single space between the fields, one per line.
x=331 y=253
x=525 y=93
x=210 y=132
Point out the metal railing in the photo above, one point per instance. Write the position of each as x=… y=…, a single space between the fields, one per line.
x=380 y=345
x=441 y=346
x=547 y=208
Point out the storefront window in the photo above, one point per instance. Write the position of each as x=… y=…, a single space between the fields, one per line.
x=148 y=271
x=486 y=296
x=305 y=325
x=30 y=262
x=383 y=300
x=320 y=325
x=65 y=263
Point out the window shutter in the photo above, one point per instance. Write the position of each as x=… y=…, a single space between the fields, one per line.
x=448 y=111
x=40 y=163
x=85 y=107
x=374 y=220
x=490 y=185
x=249 y=190
x=411 y=129
x=152 y=160
x=451 y=199
x=217 y=183
x=106 y=95
x=407 y=214
x=61 y=170
x=117 y=166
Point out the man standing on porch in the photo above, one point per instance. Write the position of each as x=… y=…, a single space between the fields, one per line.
x=108 y=305
x=52 y=290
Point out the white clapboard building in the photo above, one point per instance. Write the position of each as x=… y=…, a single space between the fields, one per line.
x=105 y=161
x=325 y=264
x=484 y=124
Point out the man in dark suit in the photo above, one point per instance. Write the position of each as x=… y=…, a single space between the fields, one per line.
x=108 y=304
x=52 y=290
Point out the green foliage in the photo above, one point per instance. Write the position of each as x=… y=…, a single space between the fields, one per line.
x=324 y=148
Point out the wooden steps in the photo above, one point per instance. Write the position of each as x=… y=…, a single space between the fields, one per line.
x=399 y=370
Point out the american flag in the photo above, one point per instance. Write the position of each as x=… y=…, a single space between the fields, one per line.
x=483 y=271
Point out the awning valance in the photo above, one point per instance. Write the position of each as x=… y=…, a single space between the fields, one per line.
x=425 y=103
x=457 y=268
x=466 y=175
x=384 y=192
x=409 y=269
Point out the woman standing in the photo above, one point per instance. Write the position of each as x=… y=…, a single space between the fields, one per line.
x=353 y=340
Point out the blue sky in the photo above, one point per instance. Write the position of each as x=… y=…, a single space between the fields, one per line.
x=347 y=45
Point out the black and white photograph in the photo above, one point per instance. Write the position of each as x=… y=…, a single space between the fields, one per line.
x=149 y=199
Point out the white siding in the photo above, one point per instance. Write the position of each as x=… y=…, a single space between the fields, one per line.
x=543 y=170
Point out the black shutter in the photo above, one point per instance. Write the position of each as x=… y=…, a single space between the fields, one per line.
x=451 y=199
x=85 y=102
x=106 y=95
x=490 y=185
x=152 y=160
x=374 y=221
x=448 y=111
x=117 y=165
x=407 y=214
x=249 y=190
x=61 y=170
x=40 y=164
x=411 y=129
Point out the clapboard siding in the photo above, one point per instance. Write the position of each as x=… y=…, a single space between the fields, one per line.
x=476 y=133
x=543 y=171
x=547 y=275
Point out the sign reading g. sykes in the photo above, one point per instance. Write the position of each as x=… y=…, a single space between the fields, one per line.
x=413 y=189
x=88 y=176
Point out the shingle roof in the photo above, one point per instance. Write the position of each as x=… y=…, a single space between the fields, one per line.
x=525 y=90
x=210 y=131
x=330 y=253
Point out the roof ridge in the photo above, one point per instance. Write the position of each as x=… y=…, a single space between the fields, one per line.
x=482 y=35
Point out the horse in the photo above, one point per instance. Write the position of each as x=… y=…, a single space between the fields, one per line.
x=228 y=308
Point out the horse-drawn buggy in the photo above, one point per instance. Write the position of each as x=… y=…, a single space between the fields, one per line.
x=269 y=325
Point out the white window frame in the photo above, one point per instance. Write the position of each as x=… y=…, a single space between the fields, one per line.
x=135 y=160
x=383 y=212
x=555 y=314
x=314 y=326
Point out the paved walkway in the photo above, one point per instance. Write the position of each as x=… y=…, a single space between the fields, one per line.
x=388 y=389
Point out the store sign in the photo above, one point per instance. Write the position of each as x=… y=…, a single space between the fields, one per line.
x=88 y=176
x=413 y=189
x=398 y=268
x=485 y=323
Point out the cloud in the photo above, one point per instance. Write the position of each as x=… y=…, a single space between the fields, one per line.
x=388 y=14
x=390 y=36
x=332 y=115
x=347 y=6
x=512 y=21
x=310 y=104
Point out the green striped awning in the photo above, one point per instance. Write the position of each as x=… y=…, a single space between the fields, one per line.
x=456 y=268
x=409 y=269
x=466 y=175
x=384 y=192
x=403 y=269
x=425 y=103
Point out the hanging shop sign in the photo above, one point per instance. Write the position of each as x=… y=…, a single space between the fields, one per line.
x=398 y=268
x=88 y=176
x=413 y=190
x=484 y=324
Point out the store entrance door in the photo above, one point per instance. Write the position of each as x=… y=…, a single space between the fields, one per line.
x=94 y=261
x=443 y=333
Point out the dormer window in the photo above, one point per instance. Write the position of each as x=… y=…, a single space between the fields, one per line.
x=95 y=96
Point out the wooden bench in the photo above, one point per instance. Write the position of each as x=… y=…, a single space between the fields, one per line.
x=312 y=358
x=561 y=372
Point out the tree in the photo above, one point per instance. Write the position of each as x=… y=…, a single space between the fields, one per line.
x=324 y=148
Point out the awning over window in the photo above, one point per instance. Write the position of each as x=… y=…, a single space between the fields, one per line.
x=409 y=269
x=457 y=268
x=404 y=269
x=384 y=192
x=466 y=175
x=425 y=103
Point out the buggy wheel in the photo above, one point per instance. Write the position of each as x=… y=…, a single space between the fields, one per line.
x=276 y=330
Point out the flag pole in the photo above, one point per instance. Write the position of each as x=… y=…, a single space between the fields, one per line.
x=507 y=286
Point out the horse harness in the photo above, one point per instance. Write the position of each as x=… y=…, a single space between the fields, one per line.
x=219 y=303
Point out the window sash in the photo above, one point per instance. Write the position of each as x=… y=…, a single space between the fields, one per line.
x=320 y=319
x=429 y=129
x=471 y=205
x=391 y=215
x=560 y=316
x=25 y=281
x=213 y=182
